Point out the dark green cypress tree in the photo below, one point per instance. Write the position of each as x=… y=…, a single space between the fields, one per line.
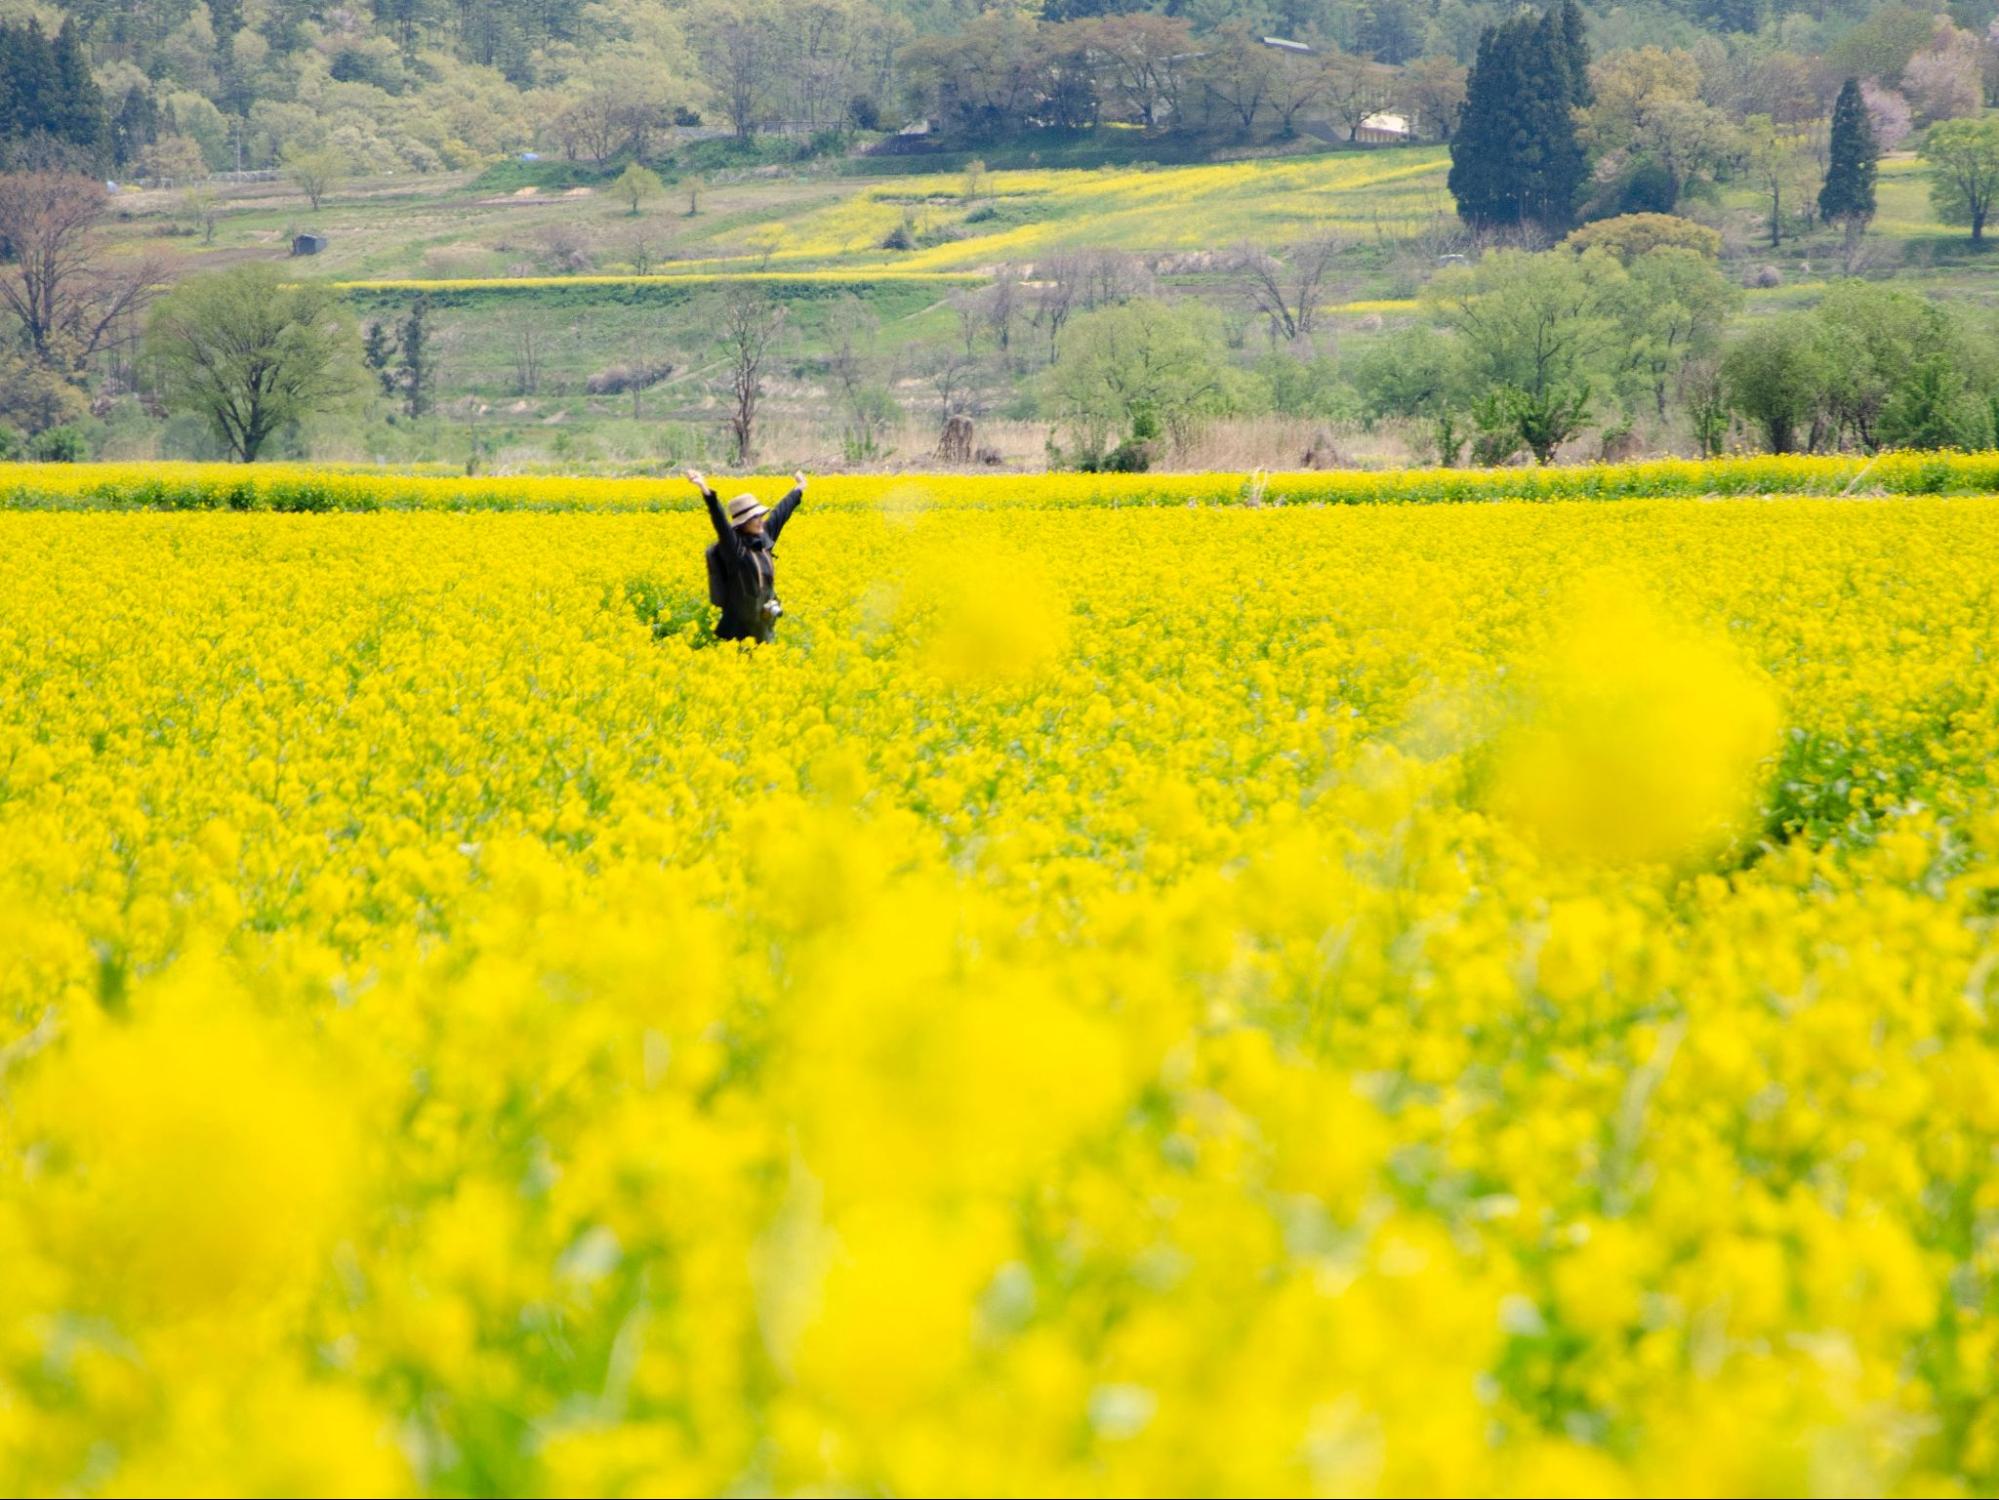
x=417 y=366
x=1515 y=158
x=1848 y=194
x=78 y=114
x=37 y=85
x=1479 y=179
x=9 y=111
x=1389 y=31
x=1560 y=166
x=1575 y=55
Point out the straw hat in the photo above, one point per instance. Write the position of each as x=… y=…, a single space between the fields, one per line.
x=745 y=508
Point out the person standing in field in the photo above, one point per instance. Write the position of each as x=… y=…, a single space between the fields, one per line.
x=742 y=569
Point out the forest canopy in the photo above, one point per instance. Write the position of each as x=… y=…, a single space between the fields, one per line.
x=173 y=88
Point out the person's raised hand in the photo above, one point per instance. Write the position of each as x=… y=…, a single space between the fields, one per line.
x=696 y=478
x=799 y=477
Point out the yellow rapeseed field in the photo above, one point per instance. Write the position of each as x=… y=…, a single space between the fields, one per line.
x=1193 y=999
x=318 y=487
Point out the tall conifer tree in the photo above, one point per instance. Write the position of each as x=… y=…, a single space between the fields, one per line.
x=1575 y=55
x=1515 y=158
x=33 y=82
x=1848 y=195
x=78 y=112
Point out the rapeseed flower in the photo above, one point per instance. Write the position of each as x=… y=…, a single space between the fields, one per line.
x=1086 y=1011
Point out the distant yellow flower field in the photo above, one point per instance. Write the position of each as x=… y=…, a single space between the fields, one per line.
x=845 y=276
x=1184 y=999
x=318 y=487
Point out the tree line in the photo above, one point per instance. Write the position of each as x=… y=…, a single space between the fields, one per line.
x=419 y=85
x=1547 y=138
x=47 y=88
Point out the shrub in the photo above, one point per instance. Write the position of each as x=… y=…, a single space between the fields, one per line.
x=1628 y=236
x=59 y=445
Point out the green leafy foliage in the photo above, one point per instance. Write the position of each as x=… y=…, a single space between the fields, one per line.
x=250 y=354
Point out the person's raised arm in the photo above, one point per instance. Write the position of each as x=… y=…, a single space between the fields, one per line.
x=782 y=512
x=723 y=530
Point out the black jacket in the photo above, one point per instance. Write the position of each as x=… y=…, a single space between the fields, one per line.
x=742 y=571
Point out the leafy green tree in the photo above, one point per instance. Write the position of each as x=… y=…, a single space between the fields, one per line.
x=1648 y=125
x=1874 y=336
x=251 y=354
x=314 y=170
x=1704 y=394
x=1963 y=157
x=1777 y=377
x=34 y=398
x=638 y=185
x=1937 y=405
x=1882 y=44
x=1136 y=373
x=1910 y=373
x=1538 y=333
x=378 y=353
x=1420 y=377
x=1743 y=16
x=1847 y=198
x=1775 y=162
x=1671 y=308
x=136 y=126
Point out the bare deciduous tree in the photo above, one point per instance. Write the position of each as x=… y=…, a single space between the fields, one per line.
x=859 y=381
x=749 y=323
x=1111 y=277
x=1082 y=282
x=1145 y=59
x=1238 y=73
x=644 y=248
x=971 y=320
x=1295 y=87
x=1433 y=88
x=1055 y=292
x=740 y=44
x=951 y=372
x=1001 y=306
x=69 y=301
x=527 y=351
x=565 y=249
x=1288 y=292
x=1353 y=88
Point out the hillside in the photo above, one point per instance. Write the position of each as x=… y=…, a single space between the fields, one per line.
x=533 y=275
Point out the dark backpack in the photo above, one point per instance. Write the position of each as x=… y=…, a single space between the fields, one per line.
x=715 y=581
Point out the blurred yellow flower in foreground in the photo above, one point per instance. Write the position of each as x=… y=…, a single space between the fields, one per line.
x=193 y=1162
x=1641 y=741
